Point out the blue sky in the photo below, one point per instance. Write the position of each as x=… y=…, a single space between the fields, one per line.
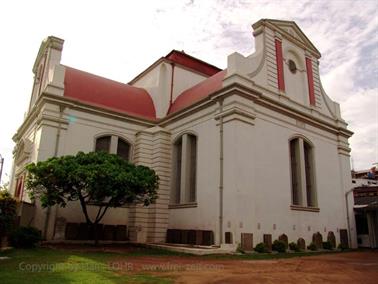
x=119 y=39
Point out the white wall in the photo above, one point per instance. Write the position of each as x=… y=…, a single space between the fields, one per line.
x=158 y=83
x=257 y=186
x=205 y=215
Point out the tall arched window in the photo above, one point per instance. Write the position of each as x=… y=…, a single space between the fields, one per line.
x=184 y=169
x=103 y=144
x=114 y=145
x=303 y=189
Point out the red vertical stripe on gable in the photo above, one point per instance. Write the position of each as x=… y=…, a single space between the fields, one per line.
x=310 y=80
x=279 y=61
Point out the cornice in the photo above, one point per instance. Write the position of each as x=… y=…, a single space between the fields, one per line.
x=263 y=100
x=74 y=104
x=236 y=113
x=235 y=88
x=306 y=46
x=35 y=114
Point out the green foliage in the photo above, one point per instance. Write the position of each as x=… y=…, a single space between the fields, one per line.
x=342 y=246
x=7 y=212
x=239 y=249
x=327 y=245
x=279 y=246
x=294 y=247
x=95 y=178
x=312 y=247
x=261 y=248
x=25 y=237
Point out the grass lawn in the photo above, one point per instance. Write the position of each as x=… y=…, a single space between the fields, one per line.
x=46 y=265
x=65 y=266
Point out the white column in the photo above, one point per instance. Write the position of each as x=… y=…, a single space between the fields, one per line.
x=113 y=145
x=302 y=174
x=185 y=170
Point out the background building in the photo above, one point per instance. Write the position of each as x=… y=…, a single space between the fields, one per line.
x=365 y=193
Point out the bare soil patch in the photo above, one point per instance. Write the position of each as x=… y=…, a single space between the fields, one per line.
x=352 y=267
x=346 y=267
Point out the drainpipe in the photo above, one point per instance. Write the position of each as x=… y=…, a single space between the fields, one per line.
x=347 y=209
x=220 y=172
x=172 y=77
x=56 y=149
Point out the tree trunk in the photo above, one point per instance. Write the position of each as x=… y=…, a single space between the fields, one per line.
x=95 y=231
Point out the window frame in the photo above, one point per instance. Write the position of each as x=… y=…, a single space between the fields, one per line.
x=303 y=203
x=113 y=145
x=184 y=196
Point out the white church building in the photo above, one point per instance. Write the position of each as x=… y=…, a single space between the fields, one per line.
x=248 y=154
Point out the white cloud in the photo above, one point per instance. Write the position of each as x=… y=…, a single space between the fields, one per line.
x=360 y=111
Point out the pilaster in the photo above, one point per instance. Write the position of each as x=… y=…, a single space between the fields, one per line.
x=152 y=149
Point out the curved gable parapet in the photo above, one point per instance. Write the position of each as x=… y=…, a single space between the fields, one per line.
x=284 y=66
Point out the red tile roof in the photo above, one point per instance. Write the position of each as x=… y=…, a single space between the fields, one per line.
x=193 y=63
x=198 y=92
x=102 y=92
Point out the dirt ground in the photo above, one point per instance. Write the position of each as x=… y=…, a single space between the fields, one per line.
x=350 y=267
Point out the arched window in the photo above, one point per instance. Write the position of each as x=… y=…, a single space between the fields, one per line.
x=103 y=144
x=123 y=149
x=113 y=145
x=303 y=190
x=184 y=169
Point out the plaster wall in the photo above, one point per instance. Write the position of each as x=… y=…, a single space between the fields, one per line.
x=257 y=179
x=203 y=216
x=158 y=83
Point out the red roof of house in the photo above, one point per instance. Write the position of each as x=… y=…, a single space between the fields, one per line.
x=191 y=62
x=198 y=92
x=102 y=92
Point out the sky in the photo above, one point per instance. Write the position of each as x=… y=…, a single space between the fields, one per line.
x=119 y=39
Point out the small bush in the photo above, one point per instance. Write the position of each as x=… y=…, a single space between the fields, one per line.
x=342 y=247
x=239 y=249
x=327 y=245
x=25 y=237
x=279 y=246
x=312 y=247
x=294 y=247
x=261 y=248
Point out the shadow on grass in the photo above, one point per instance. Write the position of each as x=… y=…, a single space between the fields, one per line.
x=43 y=265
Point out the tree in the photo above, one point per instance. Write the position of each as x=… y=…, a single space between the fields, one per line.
x=7 y=213
x=96 y=178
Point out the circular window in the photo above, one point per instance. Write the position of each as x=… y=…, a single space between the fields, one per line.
x=292 y=66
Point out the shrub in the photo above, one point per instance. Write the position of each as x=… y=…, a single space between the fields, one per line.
x=327 y=245
x=279 y=246
x=7 y=212
x=342 y=247
x=294 y=247
x=25 y=237
x=239 y=249
x=312 y=247
x=261 y=248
